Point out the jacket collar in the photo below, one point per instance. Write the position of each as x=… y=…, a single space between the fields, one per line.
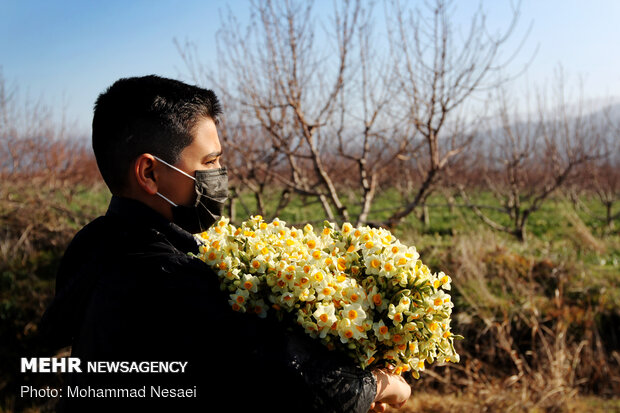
x=137 y=213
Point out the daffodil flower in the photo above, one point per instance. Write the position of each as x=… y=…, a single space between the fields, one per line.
x=341 y=285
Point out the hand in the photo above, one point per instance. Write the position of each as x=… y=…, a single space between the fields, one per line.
x=392 y=390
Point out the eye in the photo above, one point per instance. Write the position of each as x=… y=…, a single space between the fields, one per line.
x=212 y=163
x=212 y=160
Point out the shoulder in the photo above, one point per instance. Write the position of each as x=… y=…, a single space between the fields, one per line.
x=122 y=252
x=93 y=229
x=81 y=249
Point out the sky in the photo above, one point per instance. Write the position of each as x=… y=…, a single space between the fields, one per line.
x=66 y=52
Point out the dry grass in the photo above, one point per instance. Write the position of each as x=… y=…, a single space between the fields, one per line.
x=582 y=234
x=500 y=400
x=529 y=345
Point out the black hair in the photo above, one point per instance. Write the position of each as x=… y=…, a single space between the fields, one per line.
x=149 y=114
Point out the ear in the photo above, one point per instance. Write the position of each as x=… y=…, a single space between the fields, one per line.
x=146 y=174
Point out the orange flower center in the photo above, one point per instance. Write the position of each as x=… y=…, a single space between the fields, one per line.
x=376 y=299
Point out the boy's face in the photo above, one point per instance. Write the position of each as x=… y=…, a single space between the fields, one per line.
x=203 y=153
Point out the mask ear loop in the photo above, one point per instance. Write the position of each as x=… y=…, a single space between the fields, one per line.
x=169 y=201
x=174 y=167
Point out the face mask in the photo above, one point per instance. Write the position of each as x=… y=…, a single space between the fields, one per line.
x=211 y=188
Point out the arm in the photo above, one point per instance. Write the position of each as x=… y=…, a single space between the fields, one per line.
x=333 y=384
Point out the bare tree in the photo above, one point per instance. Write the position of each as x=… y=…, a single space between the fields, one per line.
x=603 y=184
x=34 y=144
x=339 y=110
x=531 y=156
x=41 y=169
x=437 y=76
x=600 y=179
x=318 y=106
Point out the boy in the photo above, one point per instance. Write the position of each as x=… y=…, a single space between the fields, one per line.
x=128 y=291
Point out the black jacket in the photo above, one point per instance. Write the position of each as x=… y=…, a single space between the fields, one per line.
x=127 y=290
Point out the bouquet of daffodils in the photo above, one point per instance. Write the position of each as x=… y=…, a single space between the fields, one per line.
x=358 y=290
